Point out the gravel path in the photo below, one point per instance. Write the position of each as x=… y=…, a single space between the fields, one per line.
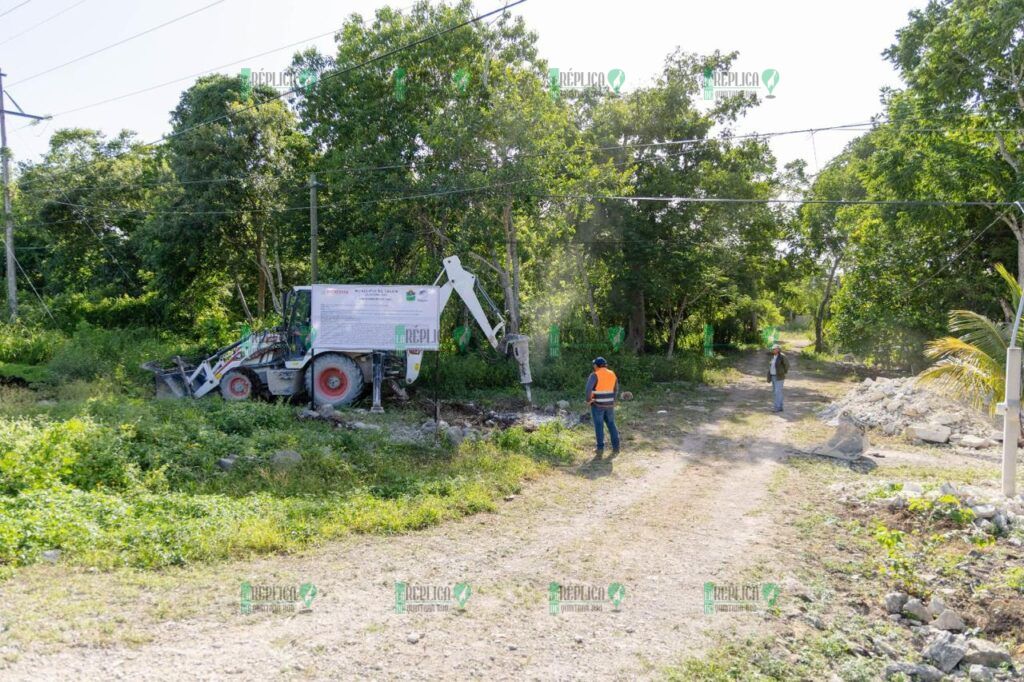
x=659 y=521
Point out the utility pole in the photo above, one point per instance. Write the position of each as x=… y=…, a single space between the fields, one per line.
x=12 y=278
x=314 y=229
x=1010 y=407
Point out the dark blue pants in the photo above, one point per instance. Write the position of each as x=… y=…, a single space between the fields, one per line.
x=602 y=416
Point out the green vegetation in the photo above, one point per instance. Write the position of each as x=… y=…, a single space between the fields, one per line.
x=91 y=465
x=114 y=480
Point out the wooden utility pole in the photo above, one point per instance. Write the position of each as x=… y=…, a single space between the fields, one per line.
x=314 y=230
x=12 y=278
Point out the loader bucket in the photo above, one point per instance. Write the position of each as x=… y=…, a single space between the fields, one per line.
x=169 y=383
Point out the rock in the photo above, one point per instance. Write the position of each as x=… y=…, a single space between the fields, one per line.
x=578 y=639
x=949 y=489
x=983 y=652
x=413 y=637
x=868 y=382
x=627 y=395
x=974 y=442
x=984 y=511
x=914 y=410
x=52 y=555
x=362 y=426
x=918 y=671
x=327 y=411
x=225 y=463
x=455 y=435
x=945 y=650
x=929 y=433
x=936 y=606
x=979 y=673
x=948 y=620
x=1001 y=523
x=985 y=525
x=916 y=610
x=285 y=459
x=307 y=413
x=913 y=489
x=549 y=409
x=894 y=602
x=563 y=404
x=945 y=419
x=848 y=439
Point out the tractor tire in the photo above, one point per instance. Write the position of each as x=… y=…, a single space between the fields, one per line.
x=338 y=380
x=238 y=384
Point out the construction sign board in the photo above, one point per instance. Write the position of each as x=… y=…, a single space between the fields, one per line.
x=354 y=317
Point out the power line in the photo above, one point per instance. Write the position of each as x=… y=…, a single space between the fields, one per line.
x=44 y=21
x=193 y=75
x=4 y=14
x=29 y=280
x=340 y=72
x=737 y=200
x=957 y=255
x=332 y=74
x=120 y=42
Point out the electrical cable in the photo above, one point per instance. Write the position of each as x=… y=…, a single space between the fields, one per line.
x=118 y=43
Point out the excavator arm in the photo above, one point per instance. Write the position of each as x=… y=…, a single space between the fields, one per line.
x=464 y=283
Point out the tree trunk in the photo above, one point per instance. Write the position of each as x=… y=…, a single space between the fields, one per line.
x=637 y=331
x=819 y=316
x=512 y=253
x=245 y=305
x=589 y=288
x=261 y=296
x=673 y=329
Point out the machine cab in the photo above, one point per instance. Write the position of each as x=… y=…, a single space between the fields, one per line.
x=296 y=321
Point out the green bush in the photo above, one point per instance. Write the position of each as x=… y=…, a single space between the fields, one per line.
x=489 y=371
x=26 y=346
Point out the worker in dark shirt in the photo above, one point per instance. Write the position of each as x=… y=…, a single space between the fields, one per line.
x=602 y=386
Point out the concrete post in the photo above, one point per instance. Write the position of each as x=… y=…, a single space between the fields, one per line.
x=1011 y=421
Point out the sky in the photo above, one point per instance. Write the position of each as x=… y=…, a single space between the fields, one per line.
x=827 y=54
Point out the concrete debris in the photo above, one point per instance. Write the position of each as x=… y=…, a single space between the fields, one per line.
x=929 y=433
x=894 y=602
x=945 y=650
x=913 y=671
x=948 y=620
x=915 y=609
x=983 y=652
x=907 y=406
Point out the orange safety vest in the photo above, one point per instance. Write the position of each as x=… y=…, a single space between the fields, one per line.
x=604 y=392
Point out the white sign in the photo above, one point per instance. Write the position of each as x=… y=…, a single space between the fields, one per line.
x=368 y=317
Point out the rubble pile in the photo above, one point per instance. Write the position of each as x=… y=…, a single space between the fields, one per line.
x=950 y=645
x=906 y=406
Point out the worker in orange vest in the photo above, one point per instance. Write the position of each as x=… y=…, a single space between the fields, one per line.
x=602 y=386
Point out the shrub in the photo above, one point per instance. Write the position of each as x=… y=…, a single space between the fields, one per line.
x=27 y=346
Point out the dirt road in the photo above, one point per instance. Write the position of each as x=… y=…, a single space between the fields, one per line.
x=673 y=511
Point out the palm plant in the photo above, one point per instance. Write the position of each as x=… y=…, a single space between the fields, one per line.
x=971 y=366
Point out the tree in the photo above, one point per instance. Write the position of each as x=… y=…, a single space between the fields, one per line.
x=240 y=169
x=825 y=227
x=665 y=258
x=972 y=366
x=963 y=61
